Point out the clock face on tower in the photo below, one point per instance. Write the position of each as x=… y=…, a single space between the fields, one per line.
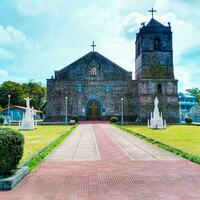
x=164 y=44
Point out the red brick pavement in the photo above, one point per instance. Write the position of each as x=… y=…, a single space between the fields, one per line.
x=114 y=177
x=95 y=122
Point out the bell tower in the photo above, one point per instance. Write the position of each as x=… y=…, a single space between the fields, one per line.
x=154 y=70
x=154 y=53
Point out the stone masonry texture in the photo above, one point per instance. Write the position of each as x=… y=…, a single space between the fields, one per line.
x=93 y=77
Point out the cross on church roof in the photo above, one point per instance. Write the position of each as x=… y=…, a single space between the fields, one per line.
x=152 y=11
x=93 y=45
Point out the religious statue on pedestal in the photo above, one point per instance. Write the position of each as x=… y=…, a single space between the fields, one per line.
x=28 y=122
x=156 y=121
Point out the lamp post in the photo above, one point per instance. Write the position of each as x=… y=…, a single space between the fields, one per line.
x=122 y=111
x=66 y=118
x=9 y=110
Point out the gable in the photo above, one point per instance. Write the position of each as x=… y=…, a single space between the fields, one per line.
x=93 y=66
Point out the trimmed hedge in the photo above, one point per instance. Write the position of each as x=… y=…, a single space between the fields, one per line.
x=11 y=150
x=113 y=119
x=76 y=118
x=188 y=120
x=1 y=120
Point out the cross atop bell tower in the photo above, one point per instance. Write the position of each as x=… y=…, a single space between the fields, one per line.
x=152 y=11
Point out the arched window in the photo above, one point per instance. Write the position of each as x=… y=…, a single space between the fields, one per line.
x=157 y=44
x=107 y=87
x=79 y=87
x=159 y=88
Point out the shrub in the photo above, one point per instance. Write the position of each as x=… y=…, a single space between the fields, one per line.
x=113 y=119
x=11 y=150
x=188 y=120
x=76 y=118
x=1 y=120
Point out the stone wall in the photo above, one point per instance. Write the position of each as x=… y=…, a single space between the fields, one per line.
x=167 y=96
x=91 y=90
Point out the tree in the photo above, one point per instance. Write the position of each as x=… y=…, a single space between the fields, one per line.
x=19 y=91
x=37 y=93
x=195 y=92
x=11 y=88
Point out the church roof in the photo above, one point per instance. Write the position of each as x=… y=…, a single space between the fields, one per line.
x=154 y=23
x=94 y=55
x=109 y=69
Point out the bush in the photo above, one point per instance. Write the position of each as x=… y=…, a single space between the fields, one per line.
x=11 y=150
x=113 y=119
x=76 y=118
x=188 y=120
x=1 y=120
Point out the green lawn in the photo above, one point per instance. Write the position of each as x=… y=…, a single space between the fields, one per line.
x=39 y=138
x=183 y=137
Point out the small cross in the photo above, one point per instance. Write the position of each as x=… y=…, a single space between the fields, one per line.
x=152 y=11
x=93 y=45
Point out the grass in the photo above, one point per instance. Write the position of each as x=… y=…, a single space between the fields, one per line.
x=37 y=139
x=32 y=164
x=183 y=137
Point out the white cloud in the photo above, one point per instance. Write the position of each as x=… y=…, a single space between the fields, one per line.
x=31 y=7
x=188 y=77
x=5 y=76
x=3 y=73
x=49 y=8
x=6 y=55
x=119 y=50
x=131 y=24
x=10 y=35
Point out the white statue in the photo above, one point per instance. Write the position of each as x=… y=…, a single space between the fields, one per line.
x=156 y=121
x=28 y=122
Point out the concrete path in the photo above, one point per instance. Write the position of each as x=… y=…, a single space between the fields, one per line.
x=80 y=145
x=137 y=149
x=101 y=162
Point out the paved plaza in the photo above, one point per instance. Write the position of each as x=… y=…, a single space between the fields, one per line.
x=102 y=162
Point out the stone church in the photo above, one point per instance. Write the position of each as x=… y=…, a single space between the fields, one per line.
x=94 y=85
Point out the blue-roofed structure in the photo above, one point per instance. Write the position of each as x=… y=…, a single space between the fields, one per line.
x=17 y=112
x=186 y=102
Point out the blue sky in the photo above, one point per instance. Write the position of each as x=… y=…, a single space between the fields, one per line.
x=38 y=37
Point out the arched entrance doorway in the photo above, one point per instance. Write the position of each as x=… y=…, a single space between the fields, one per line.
x=93 y=110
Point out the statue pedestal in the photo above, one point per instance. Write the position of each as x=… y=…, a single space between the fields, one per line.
x=27 y=124
x=157 y=124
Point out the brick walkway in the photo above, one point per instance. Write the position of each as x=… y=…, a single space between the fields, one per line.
x=118 y=175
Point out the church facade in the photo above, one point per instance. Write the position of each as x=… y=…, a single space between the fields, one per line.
x=94 y=85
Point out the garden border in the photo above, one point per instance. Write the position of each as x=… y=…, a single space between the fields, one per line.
x=43 y=149
x=38 y=157
x=8 y=183
x=188 y=156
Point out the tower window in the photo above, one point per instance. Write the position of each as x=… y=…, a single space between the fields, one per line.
x=157 y=44
x=79 y=87
x=107 y=87
x=159 y=88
